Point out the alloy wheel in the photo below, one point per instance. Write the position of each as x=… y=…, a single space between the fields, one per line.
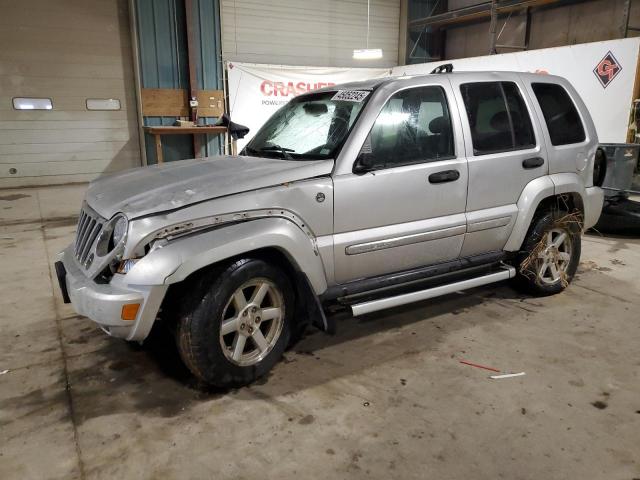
x=252 y=322
x=554 y=256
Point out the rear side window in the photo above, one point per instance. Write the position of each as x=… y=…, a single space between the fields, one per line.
x=560 y=114
x=498 y=117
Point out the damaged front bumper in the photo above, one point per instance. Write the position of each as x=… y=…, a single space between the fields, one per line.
x=104 y=303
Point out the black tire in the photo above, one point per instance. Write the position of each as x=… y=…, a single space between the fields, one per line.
x=201 y=316
x=528 y=277
x=599 y=168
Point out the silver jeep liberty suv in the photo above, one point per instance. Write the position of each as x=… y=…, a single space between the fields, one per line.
x=357 y=197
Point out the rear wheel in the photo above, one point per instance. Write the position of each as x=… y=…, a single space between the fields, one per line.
x=236 y=322
x=550 y=254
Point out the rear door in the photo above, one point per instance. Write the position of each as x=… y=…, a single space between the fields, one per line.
x=504 y=154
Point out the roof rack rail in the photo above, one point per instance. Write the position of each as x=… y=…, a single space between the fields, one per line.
x=444 y=68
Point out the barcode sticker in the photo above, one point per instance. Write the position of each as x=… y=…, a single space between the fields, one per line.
x=351 y=95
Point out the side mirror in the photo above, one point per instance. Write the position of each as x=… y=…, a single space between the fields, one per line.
x=364 y=163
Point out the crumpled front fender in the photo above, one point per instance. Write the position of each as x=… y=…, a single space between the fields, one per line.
x=183 y=256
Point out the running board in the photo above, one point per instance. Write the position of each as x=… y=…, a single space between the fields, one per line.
x=505 y=273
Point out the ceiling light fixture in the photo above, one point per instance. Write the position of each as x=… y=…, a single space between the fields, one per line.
x=367 y=53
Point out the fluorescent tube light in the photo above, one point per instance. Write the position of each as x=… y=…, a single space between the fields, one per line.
x=103 y=104
x=24 y=103
x=367 y=54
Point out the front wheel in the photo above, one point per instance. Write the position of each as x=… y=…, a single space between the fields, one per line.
x=550 y=254
x=236 y=322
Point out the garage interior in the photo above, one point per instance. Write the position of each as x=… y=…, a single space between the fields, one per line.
x=393 y=394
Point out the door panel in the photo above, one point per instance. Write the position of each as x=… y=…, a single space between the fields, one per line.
x=488 y=230
x=498 y=180
x=504 y=152
x=428 y=221
x=409 y=210
x=498 y=162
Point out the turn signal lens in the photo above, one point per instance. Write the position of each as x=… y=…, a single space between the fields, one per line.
x=130 y=311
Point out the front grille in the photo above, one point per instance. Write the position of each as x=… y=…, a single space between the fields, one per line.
x=89 y=227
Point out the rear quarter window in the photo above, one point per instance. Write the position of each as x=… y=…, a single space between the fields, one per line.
x=560 y=114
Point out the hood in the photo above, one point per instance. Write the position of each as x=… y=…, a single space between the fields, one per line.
x=157 y=188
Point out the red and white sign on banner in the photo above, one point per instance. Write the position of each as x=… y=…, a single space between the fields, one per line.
x=257 y=91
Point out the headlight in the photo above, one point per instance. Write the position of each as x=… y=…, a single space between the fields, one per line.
x=113 y=233
x=119 y=230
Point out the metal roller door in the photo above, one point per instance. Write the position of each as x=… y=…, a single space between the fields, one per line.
x=67 y=51
x=309 y=32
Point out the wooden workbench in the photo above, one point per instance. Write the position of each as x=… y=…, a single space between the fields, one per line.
x=157 y=132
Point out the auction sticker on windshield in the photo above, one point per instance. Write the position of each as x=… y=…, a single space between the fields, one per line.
x=351 y=95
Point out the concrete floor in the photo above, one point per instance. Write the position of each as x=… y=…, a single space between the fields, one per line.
x=387 y=397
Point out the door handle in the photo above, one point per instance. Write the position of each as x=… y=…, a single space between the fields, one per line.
x=534 y=162
x=445 y=176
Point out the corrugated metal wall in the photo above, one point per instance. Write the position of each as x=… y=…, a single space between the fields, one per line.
x=309 y=32
x=164 y=62
x=582 y=22
x=67 y=50
x=210 y=68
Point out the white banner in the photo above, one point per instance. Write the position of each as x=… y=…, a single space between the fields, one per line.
x=257 y=91
x=603 y=73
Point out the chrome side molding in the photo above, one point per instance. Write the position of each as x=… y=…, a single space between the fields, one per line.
x=405 y=240
x=488 y=224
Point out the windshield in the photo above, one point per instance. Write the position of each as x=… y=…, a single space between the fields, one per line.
x=310 y=127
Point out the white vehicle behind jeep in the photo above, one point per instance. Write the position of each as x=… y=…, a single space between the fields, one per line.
x=358 y=197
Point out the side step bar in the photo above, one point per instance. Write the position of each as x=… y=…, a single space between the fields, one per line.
x=505 y=273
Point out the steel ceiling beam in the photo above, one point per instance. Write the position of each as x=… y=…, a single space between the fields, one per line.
x=480 y=12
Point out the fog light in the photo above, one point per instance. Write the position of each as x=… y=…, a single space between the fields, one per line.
x=130 y=311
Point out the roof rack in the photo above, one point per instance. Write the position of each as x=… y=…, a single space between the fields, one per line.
x=444 y=68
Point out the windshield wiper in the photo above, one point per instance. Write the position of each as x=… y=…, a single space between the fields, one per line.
x=277 y=148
